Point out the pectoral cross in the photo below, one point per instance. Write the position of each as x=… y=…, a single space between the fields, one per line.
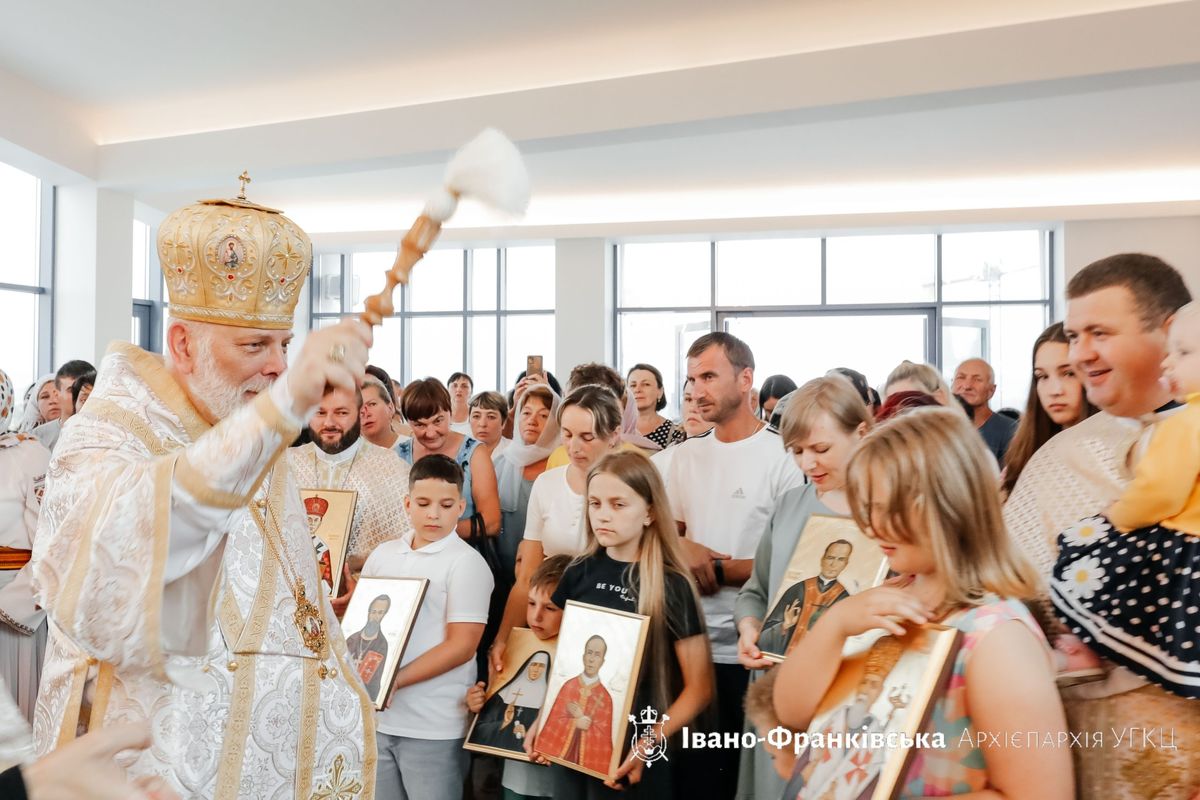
x=508 y=710
x=244 y=178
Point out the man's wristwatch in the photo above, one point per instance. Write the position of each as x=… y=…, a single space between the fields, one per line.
x=719 y=571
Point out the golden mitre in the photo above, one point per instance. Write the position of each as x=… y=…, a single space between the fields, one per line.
x=233 y=262
x=883 y=655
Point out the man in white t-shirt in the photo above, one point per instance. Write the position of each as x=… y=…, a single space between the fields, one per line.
x=723 y=486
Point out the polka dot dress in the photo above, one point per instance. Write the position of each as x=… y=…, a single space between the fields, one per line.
x=1133 y=598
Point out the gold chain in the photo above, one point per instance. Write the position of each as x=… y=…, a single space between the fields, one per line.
x=294 y=581
x=308 y=617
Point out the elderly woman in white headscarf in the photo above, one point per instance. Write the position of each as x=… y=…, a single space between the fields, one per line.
x=40 y=404
x=535 y=436
x=23 y=463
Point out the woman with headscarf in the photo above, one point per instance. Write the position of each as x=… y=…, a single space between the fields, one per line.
x=40 y=404
x=23 y=463
x=518 y=466
x=630 y=437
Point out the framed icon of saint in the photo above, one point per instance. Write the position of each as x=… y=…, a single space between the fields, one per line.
x=884 y=691
x=330 y=512
x=515 y=696
x=832 y=560
x=378 y=624
x=585 y=716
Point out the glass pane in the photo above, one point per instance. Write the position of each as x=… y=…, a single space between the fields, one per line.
x=141 y=261
x=366 y=277
x=327 y=284
x=873 y=344
x=530 y=276
x=386 y=350
x=528 y=335
x=483 y=364
x=135 y=330
x=18 y=349
x=661 y=339
x=18 y=227
x=881 y=269
x=993 y=265
x=769 y=272
x=666 y=274
x=436 y=284
x=1001 y=335
x=483 y=279
x=325 y=322
x=437 y=346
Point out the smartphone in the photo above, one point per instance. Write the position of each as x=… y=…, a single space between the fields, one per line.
x=533 y=365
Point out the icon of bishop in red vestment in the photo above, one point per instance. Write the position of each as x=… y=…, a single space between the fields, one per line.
x=578 y=728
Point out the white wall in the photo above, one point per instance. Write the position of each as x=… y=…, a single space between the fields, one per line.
x=42 y=133
x=93 y=253
x=1176 y=240
x=583 y=272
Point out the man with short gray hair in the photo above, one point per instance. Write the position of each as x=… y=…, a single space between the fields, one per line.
x=975 y=384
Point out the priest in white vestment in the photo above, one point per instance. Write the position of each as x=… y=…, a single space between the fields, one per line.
x=340 y=458
x=1117 y=345
x=173 y=555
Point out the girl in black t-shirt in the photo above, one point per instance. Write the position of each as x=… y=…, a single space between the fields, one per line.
x=634 y=563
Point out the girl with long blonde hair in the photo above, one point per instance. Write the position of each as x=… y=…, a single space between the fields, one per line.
x=634 y=563
x=923 y=487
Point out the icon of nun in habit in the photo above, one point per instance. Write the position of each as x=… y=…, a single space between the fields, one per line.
x=507 y=714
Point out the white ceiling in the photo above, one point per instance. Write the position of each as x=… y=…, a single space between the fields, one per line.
x=631 y=112
x=144 y=70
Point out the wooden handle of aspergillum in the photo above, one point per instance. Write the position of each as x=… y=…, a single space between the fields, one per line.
x=413 y=247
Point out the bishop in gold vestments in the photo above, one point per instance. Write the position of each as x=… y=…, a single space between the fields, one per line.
x=173 y=555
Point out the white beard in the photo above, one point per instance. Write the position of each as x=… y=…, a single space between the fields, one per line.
x=213 y=390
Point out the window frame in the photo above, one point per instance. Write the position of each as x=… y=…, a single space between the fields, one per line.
x=152 y=309
x=44 y=289
x=938 y=308
x=404 y=312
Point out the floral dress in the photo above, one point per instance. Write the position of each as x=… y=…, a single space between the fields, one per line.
x=959 y=767
x=1126 y=582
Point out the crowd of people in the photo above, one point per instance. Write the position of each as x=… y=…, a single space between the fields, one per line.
x=1060 y=540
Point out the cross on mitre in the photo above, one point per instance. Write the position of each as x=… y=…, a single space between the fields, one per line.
x=244 y=178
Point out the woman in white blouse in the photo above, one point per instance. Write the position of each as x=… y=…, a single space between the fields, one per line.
x=590 y=423
x=23 y=463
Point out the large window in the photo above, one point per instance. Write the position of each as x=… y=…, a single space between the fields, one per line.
x=149 y=292
x=806 y=305
x=479 y=311
x=25 y=277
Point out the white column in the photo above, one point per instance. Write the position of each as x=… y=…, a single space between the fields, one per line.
x=583 y=303
x=302 y=320
x=93 y=255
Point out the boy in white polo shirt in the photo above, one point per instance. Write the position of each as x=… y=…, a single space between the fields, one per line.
x=420 y=731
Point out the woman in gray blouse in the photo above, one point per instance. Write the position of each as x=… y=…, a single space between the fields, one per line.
x=822 y=426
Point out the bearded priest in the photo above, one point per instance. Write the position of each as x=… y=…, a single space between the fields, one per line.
x=173 y=554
